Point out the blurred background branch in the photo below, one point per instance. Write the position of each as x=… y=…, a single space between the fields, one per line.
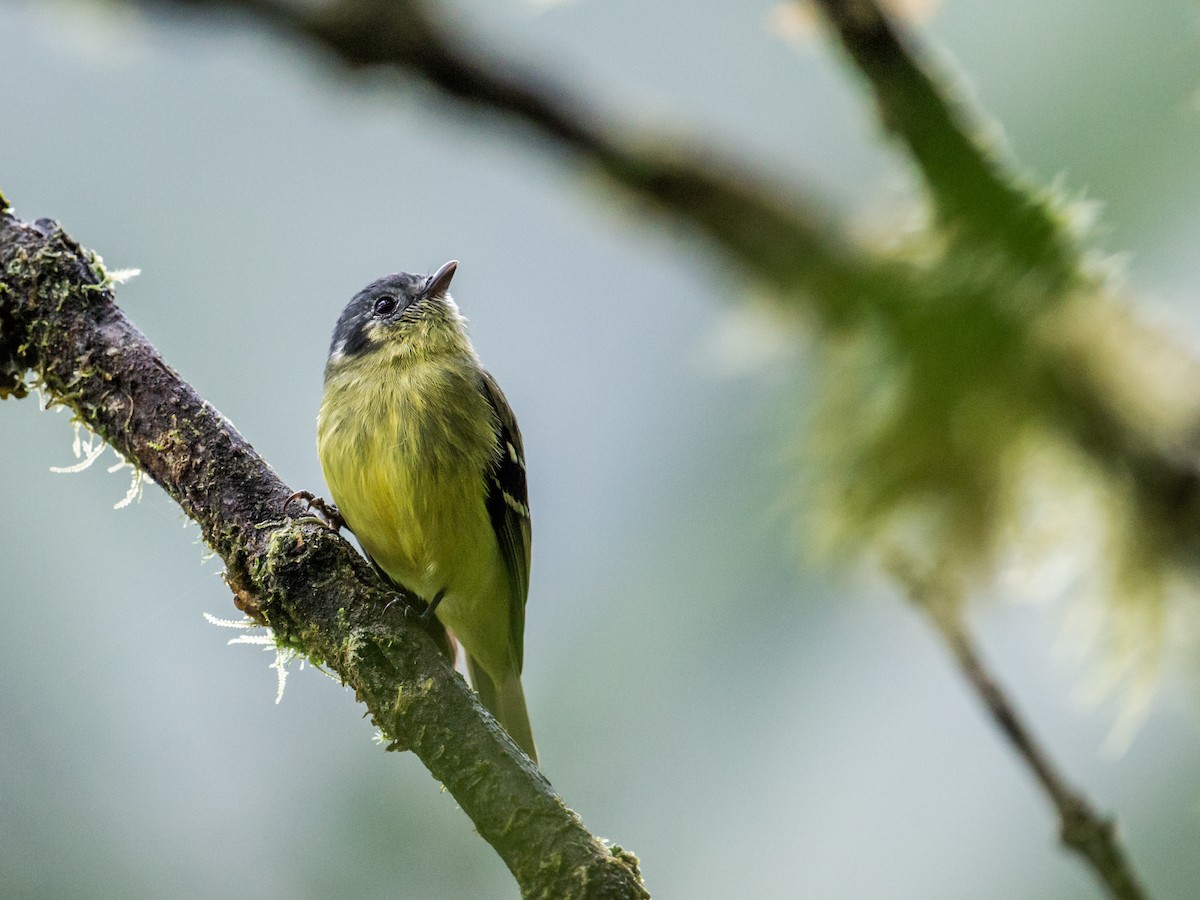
x=786 y=240
x=971 y=190
x=1081 y=829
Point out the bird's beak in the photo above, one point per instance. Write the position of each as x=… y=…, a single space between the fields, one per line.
x=439 y=281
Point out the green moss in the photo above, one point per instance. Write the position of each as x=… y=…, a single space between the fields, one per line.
x=627 y=858
x=408 y=694
x=13 y=385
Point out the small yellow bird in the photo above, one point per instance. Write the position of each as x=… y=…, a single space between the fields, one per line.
x=424 y=460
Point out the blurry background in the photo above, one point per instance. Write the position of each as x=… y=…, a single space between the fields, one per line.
x=750 y=722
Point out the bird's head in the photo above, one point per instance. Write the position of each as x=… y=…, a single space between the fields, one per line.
x=402 y=313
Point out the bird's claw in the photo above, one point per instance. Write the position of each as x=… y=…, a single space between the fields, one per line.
x=324 y=512
x=414 y=607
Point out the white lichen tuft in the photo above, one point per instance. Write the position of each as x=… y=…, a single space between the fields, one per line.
x=136 y=481
x=246 y=622
x=93 y=454
x=122 y=276
x=265 y=640
x=284 y=656
x=111 y=277
x=89 y=447
x=87 y=451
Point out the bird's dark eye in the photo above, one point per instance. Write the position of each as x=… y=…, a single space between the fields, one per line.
x=385 y=305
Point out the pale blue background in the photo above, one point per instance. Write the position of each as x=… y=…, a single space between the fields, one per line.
x=748 y=721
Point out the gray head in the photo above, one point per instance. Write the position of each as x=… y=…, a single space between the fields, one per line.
x=388 y=308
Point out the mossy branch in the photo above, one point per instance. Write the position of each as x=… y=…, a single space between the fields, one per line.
x=971 y=190
x=58 y=318
x=784 y=238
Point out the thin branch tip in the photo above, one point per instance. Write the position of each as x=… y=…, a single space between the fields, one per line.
x=1090 y=835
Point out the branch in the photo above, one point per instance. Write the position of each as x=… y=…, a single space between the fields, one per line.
x=779 y=236
x=58 y=318
x=968 y=185
x=785 y=239
x=1081 y=829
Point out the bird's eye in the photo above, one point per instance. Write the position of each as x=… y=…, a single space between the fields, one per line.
x=385 y=305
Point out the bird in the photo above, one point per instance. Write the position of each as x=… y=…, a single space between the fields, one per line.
x=425 y=463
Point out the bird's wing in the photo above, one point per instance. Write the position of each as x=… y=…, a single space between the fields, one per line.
x=508 y=509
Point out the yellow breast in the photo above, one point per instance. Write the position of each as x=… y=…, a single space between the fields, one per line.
x=404 y=445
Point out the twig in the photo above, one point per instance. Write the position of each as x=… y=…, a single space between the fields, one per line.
x=58 y=317
x=1081 y=829
x=968 y=185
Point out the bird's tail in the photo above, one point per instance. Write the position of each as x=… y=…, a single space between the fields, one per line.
x=505 y=701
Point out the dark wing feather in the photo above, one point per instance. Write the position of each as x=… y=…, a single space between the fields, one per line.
x=508 y=509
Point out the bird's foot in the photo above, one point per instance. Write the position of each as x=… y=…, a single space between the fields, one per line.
x=415 y=607
x=411 y=605
x=325 y=513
